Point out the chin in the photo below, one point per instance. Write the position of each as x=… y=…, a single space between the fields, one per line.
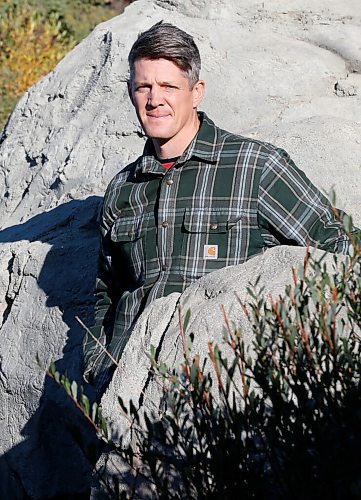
x=155 y=133
x=160 y=139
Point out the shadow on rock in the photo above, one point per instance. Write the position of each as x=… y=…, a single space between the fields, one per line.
x=52 y=459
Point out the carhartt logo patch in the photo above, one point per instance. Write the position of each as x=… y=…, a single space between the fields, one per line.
x=210 y=252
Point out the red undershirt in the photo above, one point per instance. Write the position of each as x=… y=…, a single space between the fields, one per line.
x=168 y=162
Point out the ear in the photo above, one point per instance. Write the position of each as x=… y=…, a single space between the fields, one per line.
x=198 y=92
x=130 y=93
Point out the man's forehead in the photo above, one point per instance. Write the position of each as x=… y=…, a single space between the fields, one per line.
x=163 y=69
x=154 y=61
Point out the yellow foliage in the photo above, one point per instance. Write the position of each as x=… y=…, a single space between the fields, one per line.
x=30 y=46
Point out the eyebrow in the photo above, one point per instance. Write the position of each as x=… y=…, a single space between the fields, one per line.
x=159 y=83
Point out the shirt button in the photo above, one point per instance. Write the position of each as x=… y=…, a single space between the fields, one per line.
x=164 y=267
x=169 y=182
x=214 y=226
x=165 y=223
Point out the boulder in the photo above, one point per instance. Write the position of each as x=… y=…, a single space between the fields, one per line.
x=208 y=301
x=287 y=75
x=211 y=301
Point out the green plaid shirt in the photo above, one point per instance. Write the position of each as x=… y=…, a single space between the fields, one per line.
x=226 y=199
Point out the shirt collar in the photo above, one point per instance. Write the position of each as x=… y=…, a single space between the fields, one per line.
x=206 y=146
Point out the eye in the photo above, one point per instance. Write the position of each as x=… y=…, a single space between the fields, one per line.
x=142 y=88
x=170 y=88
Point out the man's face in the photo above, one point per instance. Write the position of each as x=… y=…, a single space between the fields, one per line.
x=164 y=102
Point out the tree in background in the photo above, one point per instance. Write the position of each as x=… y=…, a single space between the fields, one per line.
x=36 y=34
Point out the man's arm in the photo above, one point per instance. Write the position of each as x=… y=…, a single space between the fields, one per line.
x=93 y=352
x=291 y=210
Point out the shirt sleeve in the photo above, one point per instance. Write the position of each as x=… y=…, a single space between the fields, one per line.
x=102 y=328
x=291 y=210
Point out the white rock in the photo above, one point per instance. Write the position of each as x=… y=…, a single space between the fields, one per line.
x=288 y=74
x=207 y=300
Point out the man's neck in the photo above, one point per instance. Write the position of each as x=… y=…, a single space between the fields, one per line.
x=175 y=147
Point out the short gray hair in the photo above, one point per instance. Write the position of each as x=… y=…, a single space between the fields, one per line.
x=166 y=41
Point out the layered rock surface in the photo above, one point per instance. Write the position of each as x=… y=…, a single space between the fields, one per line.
x=289 y=75
x=208 y=301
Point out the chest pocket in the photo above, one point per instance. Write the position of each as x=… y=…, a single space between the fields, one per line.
x=128 y=237
x=208 y=221
x=209 y=240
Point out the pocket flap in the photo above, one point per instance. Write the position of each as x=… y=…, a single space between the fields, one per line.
x=209 y=220
x=126 y=229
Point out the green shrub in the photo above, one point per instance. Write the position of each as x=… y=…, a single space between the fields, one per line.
x=31 y=44
x=288 y=418
x=36 y=34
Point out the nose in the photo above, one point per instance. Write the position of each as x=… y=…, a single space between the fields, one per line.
x=155 y=97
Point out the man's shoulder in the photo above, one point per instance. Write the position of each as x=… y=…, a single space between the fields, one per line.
x=227 y=142
x=125 y=175
x=226 y=137
x=116 y=190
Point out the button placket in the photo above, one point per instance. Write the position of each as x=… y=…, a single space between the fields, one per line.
x=165 y=206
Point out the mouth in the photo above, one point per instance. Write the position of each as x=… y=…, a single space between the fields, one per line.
x=156 y=115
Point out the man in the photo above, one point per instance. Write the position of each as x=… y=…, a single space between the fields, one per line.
x=198 y=199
